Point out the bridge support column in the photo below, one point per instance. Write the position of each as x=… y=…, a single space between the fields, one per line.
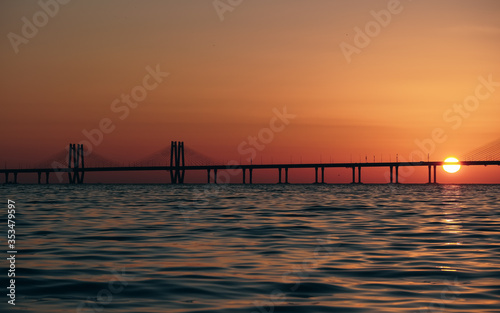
x=250 y=173
x=244 y=174
x=76 y=163
x=316 y=175
x=208 y=176
x=47 y=177
x=322 y=175
x=181 y=155
x=430 y=181
x=397 y=174
x=359 y=174
x=391 y=174
x=39 y=176
x=286 y=175
x=435 y=180
x=82 y=163
x=7 y=177
x=70 y=162
x=177 y=170
x=279 y=175
x=215 y=176
x=15 y=177
x=353 y=175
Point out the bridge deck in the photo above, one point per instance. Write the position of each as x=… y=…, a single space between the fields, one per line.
x=248 y=166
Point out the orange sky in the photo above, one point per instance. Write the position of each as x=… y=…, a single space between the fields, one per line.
x=225 y=77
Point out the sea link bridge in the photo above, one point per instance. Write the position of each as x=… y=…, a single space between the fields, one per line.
x=177 y=159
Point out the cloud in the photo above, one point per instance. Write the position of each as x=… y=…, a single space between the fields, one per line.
x=474 y=30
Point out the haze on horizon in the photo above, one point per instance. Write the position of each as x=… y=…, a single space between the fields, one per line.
x=215 y=74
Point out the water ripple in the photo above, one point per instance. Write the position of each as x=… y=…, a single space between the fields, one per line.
x=257 y=248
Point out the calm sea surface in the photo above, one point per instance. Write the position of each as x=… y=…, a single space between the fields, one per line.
x=255 y=249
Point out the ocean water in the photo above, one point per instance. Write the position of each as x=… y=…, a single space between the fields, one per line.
x=255 y=249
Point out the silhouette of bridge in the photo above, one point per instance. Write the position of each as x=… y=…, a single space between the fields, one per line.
x=177 y=159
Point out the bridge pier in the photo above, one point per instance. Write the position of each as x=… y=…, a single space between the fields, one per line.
x=80 y=177
x=6 y=177
x=75 y=163
x=82 y=173
x=72 y=163
x=390 y=168
x=322 y=175
x=39 y=176
x=47 y=177
x=280 y=176
x=435 y=180
x=215 y=176
x=250 y=173
x=177 y=163
x=354 y=175
x=431 y=181
x=244 y=174
x=15 y=177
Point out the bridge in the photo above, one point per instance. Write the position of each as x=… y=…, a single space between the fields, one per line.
x=178 y=159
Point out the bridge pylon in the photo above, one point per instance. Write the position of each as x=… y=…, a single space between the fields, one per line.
x=76 y=163
x=177 y=162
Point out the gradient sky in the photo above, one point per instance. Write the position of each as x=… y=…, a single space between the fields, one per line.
x=226 y=77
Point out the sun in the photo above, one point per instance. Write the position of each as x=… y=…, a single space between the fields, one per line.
x=451 y=168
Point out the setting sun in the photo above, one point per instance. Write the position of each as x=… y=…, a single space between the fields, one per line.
x=451 y=168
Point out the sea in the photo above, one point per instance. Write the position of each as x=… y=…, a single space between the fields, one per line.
x=251 y=248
